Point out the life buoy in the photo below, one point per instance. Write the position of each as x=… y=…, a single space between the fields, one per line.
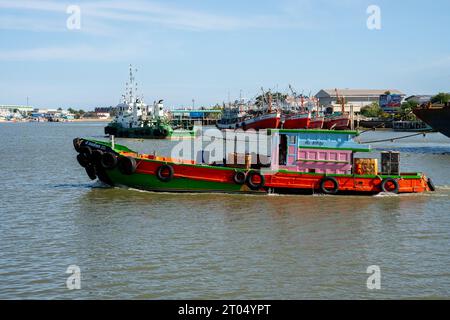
x=127 y=165
x=92 y=174
x=82 y=160
x=255 y=185
x=323 y=186
x=385 y=188
x=165 y=173
x=431 y=185
x=86 y=151
x=96 y=156
x=240 y=177
x=109 y=161
x=103 y=176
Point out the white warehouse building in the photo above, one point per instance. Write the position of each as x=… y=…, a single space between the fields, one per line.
x=357 y=98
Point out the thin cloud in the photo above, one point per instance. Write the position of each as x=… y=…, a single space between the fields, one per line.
x=81 y=52
x=157 y=13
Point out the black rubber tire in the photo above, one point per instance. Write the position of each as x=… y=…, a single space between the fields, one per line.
x=165 y=132
x=240 y=177
x=82 y=160
x=324 y=190
x=253 y=185
x=91 y=172
x=77 y=144
x=96 y=156
x=86 y=151
x=103 y=176
x=390 y=180
x=109 y=161
x=163 y=168
x=431 y=185
x=127 y=165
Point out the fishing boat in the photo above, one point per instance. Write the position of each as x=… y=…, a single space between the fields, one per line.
x=300 y=161
x=299 y=120
x=317 y=121
x=337 y=121
x=245 y=117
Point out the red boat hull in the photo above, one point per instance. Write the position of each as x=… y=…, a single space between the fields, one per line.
x=337 y=123
x=297 y=122
x=267 y=121
x=316 y=123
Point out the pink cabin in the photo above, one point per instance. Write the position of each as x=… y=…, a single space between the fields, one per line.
x=314 y=151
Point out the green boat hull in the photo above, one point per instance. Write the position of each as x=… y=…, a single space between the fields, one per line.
x=151 y=183
x=157 y=131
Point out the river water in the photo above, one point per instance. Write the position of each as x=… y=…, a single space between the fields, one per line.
x=141 y=245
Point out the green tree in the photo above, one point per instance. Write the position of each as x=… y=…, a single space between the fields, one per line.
x=441 y=98
x=372 y=111
x=406 y=109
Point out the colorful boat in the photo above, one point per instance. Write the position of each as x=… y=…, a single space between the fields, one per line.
x=302 y=161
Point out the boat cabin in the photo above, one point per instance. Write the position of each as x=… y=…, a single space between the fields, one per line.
x=315 y=151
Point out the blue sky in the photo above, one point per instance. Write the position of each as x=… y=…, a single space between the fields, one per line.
x=204 y=49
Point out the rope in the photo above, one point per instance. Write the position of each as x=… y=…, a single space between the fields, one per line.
x=424 y=133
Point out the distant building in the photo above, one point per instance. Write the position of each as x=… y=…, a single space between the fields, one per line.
x=420 y=99
x=13 y=108
x=357 y=98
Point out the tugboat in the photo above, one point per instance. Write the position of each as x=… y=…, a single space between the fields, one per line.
x=300 y=161
x=135 y=119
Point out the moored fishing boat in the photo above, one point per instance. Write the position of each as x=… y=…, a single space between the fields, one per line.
x=317 y=121
x=246 y=117
x=300 y=161
x=296 y=121
x=337 y=122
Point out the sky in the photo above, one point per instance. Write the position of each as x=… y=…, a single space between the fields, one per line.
x=210 y=50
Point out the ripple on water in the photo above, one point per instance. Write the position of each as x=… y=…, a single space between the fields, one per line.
x=143 y=245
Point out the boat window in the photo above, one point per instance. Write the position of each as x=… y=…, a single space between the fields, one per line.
x=292 y=139
x=282 y=150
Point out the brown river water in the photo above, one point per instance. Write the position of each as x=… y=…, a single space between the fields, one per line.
x=141 y=245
